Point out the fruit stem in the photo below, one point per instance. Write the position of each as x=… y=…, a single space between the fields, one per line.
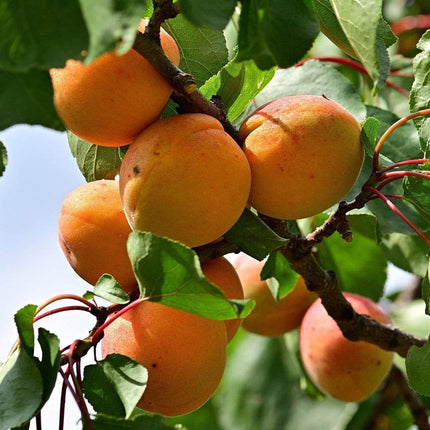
x=390 y=130
x=393 y=207
x=63 y=309
x=404 y=163
x=66 y=297
x=389 y=177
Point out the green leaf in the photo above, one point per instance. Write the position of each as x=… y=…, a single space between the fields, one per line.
x=369 y=135
x=111 y=24
x=355 y=263
x=21 y=389
x=417 y=192
x=108 y=288
x=203 y=50
x=24 y=323
x=3 y=158
x=426 y=289
x=210 y=14
x=95 y=161
x=279 y=276
x=237 y=83
x=361 y=23
x=418 y=98
x=317 y=78
x=276 y=32
x=254 y=236
x=147 y=422
x=418 y=369
x=27 y=98
x=50 y=363
x=28 y=29
x=114 y=385
x=170 y=273
x=406 y=252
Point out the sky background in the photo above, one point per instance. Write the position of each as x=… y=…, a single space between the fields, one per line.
x=40 y=173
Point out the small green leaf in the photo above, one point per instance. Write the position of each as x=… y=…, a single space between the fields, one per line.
x=418 y=368
x=115 y=385
x=254 y=236
x=50 y=363
x=112 y=25
x=237 y=84
x=108 y=288
x=275 y=33
x=209 y=14
x=417 y=192
x=418 y=98
x=203 y=50
x=280 y=278
x=317 y=78
x=426 y=289
x=27 y=98
x=369 y=135
x=21 y=389
x=3 y=158
x=95 y=161
x=170 y=273
x=24 y=323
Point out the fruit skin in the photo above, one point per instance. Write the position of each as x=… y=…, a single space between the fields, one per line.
x=184 y=354
x=348 y=371
x=269 y=317
x=111 y=100
x=305 y=155
x=185 y=178
x=222 y=273
x=93 y=233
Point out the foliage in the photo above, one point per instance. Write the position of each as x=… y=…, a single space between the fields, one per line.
x=235 y=57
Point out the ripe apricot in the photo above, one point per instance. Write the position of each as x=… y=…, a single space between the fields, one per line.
x=185 y=178
x=270 y=317
x=221 y=273
x=184 y=354
x=111 y=100
x=348 y=371
x=93 y=232
x=305 y=155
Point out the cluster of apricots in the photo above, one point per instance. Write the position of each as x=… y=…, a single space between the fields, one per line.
x=185 y=178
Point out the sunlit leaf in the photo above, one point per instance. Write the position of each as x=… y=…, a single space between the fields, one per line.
x=418 y=369
x=24 y=323
x=109 y=289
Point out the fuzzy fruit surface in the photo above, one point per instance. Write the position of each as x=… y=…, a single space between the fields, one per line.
x=305 y=154
x=93 y=233
x=185 y=178
x=270 y=317
x=222 y=273
x=112 y=99
x=348 y=371
x=184 y=354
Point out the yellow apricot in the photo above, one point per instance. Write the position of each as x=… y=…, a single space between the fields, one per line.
x=93 y=232
x=305 y=155
x=185 y=178
x=184 y=354
x=221 y=273
x=111 y=100
x=348 y=371
x=270 y=317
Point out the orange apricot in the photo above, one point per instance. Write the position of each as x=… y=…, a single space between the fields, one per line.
x=270 y=317
x=305 y=154
x=112 y=99
x=185 y=178
x=348 y=371
x=93 y=233
x=221 y=273
x=184 y=354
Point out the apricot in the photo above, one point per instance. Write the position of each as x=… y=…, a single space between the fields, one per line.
x=305 y=154
x=270 y=317
x=93 y=232
x=185 y=178
x=345 y=370
x=221 y=273
x=184 y=354
x=112 y=99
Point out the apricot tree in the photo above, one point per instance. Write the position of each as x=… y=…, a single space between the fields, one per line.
x=293 y=132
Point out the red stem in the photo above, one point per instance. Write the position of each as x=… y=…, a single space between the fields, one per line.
x=405 y=163
x=386 y=178
x=58 y=310
x=408 y=23
x=393 y=207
